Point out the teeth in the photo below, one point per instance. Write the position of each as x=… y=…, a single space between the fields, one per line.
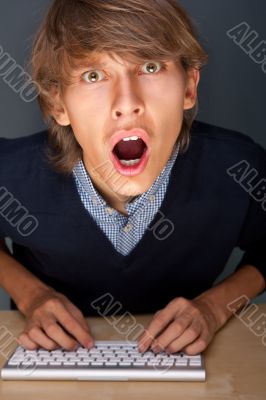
x=126 y=139
x=130 y=162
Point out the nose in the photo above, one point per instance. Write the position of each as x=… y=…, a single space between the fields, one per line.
x=127 y=100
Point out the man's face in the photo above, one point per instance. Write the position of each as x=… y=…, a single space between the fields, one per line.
x=126 y=118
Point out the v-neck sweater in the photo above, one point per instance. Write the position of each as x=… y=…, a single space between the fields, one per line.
x=206 y=210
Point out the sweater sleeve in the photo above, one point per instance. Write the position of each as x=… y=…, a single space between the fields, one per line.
x=2 y=221
x=2 y=234
x=2 y=186
x=252 y=239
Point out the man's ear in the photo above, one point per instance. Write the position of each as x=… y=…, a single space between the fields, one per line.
x=192 y=81
x=59 y=111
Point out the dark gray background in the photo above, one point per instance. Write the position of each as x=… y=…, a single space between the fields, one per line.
x=232 y=92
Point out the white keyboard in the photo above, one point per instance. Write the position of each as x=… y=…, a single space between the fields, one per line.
x=107 y=360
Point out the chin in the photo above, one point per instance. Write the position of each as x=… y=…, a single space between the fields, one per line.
x=128 y=189
x=132 y=190
x=127 y=192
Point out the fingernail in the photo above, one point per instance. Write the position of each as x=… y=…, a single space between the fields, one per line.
x=90 y=344
x=155 y=348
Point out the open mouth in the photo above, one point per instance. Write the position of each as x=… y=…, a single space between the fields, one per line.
x=130 y=154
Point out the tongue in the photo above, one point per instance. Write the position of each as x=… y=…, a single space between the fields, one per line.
x=129 y=150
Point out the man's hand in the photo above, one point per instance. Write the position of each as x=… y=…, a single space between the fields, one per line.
x=182 y=325
x=52 y=321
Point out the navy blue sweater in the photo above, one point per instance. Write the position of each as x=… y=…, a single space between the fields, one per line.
x=215 y=202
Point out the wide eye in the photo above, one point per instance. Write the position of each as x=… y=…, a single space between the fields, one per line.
x=92 y=76
x=152 y=67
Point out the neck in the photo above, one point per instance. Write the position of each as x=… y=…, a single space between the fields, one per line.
x=114 y=200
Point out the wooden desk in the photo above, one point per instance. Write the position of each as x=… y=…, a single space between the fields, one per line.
x=235 y=366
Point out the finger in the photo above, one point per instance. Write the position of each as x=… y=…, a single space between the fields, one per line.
x=71 y=325
x=74 y=311
x=78 y=315
x=56 y=333
x=198 y=346
x=84 y=325
x=155 y=328
x=159 y=322
x=39 y=337
x=144 y=332
x=24 y=341
x=189 y=335
x=172 y=332
x=82 y=322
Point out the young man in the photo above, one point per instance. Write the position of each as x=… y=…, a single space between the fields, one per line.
x=125 y=195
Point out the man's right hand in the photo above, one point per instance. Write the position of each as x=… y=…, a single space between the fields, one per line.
x=52 y=322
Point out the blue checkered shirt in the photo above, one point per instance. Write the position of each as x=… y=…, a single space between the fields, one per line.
x=124 y=232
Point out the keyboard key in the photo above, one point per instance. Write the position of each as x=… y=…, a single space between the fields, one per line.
x=41 y=363
x=167 y=362
x=153 y=361
x=139 y=363
x=181 y=362
x=14 y=362
x=17 y=358
x=195 y=363
x=56 y=352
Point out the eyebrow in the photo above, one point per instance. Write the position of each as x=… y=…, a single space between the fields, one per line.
x=95 y=64
x=90 y=64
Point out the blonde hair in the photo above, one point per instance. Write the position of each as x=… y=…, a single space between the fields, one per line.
x=75 y=30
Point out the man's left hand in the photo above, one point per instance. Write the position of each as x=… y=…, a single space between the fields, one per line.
x=183 y=325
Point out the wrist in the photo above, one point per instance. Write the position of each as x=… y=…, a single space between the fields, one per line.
x=215 y=310
x=247 y=280
x=30 y=297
